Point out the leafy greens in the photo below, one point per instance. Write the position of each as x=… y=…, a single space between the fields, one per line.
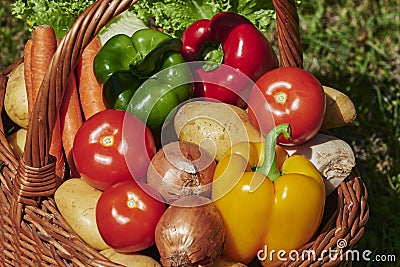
x=171 y=15
x=175 y=15
x=58 y=14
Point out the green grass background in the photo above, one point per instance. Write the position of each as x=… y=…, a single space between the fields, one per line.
x=354 y=47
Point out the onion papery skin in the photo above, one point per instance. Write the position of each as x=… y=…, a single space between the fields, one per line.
x=190 y=233
x=180 y=169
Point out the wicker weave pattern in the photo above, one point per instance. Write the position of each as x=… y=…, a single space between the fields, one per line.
x=33 y=232
x=287 y=19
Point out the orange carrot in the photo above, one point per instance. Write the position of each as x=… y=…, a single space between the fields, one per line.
x=44 y=45
x=90 y=90
x=56 y=149
x=71 y=119
x=27 y=74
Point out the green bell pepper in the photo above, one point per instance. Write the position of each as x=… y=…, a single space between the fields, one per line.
x=144 y=74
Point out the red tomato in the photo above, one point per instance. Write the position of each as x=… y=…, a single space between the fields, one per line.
x=127 y=216
x=288 y=95
x=104 y=142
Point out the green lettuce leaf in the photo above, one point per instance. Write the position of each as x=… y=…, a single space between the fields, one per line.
x=175 y=15
x=125 y=23
x=260 y=12
x=172 y=15
x=58 y=14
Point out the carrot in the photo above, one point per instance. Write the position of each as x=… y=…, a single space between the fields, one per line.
x=44 y=45
x=90 y=90
x=56 y=149
x=27 y=74
x=71 y=119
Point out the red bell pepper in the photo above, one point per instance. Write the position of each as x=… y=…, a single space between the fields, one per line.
x=247 y=55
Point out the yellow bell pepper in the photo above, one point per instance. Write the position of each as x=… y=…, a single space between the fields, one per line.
x=264 y=206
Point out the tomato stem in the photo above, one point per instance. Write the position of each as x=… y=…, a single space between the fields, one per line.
x=280 y=97
x=269 y=167
x=107 y=140
x=131 y=203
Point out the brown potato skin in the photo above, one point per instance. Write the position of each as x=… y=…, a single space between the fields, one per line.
x=15 y=99
x=76 y=200
x=340 y=110
x=214 y=126
x=130 y=259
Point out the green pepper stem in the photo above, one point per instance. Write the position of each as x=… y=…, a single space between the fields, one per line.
x=269 y=166
x=214 y=58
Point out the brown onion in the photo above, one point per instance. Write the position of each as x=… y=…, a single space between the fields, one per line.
x=190 y=233
x=181 y=168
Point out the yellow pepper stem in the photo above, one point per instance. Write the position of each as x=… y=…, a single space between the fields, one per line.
x=269 y=167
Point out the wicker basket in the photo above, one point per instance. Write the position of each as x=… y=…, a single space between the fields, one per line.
x=33 y=233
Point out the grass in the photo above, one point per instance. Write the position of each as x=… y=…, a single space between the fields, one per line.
x=13 y=34
x=352 y=46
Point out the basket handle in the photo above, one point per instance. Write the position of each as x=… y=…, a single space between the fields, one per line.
x=36 y=174
x=290 y=51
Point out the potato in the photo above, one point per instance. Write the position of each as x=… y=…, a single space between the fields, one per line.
x=76 y=200
x=214 y=126
x=15 y=99
x=340 y=110
x=227 y=262
x=130 y=259
x=17 y=142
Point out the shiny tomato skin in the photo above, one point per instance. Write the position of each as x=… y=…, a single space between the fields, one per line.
x=103 y=143
x=288 y=95
x=127 y=216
